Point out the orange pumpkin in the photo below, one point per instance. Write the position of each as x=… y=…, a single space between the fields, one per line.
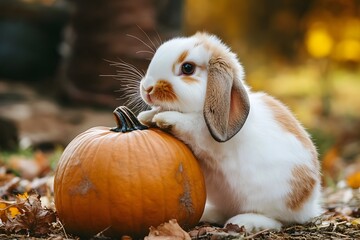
x=125 y=180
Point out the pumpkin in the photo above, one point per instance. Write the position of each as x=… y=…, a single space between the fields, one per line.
x=123 y=180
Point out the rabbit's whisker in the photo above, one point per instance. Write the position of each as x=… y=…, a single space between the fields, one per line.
x=127 y=67
x=147 y=36
x=147 y=45
x=158 y=41
x=145 y=51
x=129 y=77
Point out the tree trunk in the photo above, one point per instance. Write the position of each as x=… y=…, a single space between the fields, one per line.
x=98 y=32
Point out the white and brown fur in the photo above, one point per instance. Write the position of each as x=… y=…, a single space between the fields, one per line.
x=260 y=166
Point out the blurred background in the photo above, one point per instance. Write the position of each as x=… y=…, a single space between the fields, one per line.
x=55 y=74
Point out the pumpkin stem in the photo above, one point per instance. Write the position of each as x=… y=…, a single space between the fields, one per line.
x=126 y=121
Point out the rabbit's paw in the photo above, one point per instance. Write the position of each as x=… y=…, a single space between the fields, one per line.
x=146 y=117
x=255 y=222
x=166 y=120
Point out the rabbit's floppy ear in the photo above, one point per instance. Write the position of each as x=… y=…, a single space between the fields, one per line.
x=226 y=102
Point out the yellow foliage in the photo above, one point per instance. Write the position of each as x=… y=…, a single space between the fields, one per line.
x=348 y=50
x=11 y=208
x=354 y=180
x=23 y=196
x=6 y=208
x=319 y=42
x=351 y=29
x=14 y=211
x=2 y=206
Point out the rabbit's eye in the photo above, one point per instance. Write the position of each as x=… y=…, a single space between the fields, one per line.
x=188 y=68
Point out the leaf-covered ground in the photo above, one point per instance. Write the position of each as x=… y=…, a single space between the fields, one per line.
x=27 y=210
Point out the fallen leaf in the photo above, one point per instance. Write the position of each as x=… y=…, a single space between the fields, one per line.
x=2 y=206
x=202 y=231
x=3 y=216
x=8 y=209
x=168 y=231
x=353 y=180
x=24 y=196
x=14 y=211
x=235 y=228
x=31 y=217
x=356 y=221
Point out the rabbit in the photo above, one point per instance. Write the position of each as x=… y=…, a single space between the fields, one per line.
x=260 y=166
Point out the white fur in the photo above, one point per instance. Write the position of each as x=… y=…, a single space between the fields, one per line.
x=247 y=177
x=255 y=222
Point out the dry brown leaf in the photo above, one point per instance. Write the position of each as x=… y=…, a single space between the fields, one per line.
x=168 y=231
x=202 y=231
x=235 y=228
x=32 y=217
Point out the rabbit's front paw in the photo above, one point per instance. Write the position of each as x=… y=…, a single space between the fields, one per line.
x=146 y=117
x=166 y=120
x=255 y=222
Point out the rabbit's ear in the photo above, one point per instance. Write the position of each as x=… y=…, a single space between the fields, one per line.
x=226 y=103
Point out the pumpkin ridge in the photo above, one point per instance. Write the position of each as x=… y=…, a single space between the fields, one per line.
x=99 y=140
x=108 y=182
x=70 y=167
x=151 y=142
x=186 y=199
x=140 y=177
x=64 y=165
x=84 y=157
x=194 y=185
x=92 y=141
x=194 y=166
x=192 y=169
x=116 y=148
x=131 y=164
x=163 y=147
x=179 y=165
x=118 y=166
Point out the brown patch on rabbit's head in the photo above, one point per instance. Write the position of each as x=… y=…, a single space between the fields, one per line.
x=182 y=57
x=189 y=79
x=179 y=60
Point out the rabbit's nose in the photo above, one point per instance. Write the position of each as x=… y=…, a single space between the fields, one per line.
x=149 y=89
